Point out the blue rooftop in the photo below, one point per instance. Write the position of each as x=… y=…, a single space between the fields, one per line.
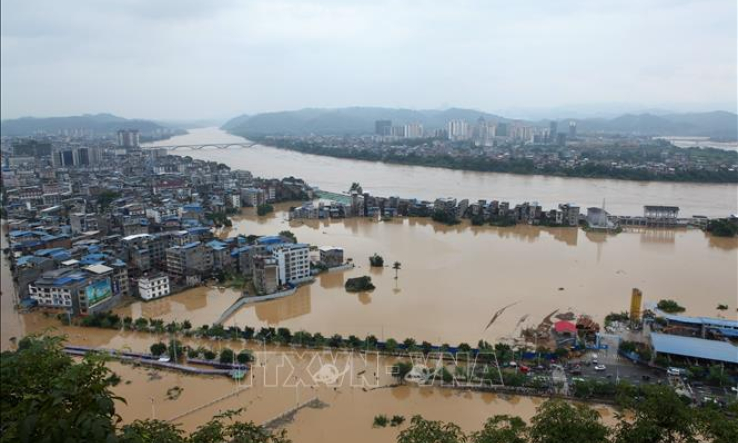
x=71 y=278
x=191 y=245
x=238 y=251
x=270 y=240
x=45 y=252
x=61 y=255
x=706 y=321
x=93 y=259
x=29 y=259
x=695 y=347
x=217 y=245
x=19 y=234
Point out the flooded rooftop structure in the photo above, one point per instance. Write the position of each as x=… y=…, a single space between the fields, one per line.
x=661 y=215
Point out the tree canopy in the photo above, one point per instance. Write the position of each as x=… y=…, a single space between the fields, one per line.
x=48 y=397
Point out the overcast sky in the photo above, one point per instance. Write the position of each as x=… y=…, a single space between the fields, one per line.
x=215 y=59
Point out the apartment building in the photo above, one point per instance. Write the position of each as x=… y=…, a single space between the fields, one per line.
x=266 y=274
x=294 y=262
x=77 y=291
x=192 y=259
x=153 y=286
x=331 y=256
x=145 y=251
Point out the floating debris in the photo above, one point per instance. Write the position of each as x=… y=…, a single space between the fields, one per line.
x=568 y=316
x=498 y=313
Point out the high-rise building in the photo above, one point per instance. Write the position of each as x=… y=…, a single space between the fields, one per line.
x=501 y=130
x=76 y=156
x=561 y=139
x=397 y=131
x=31 y=148
x=572 y=129
x=480 y=131
x=383 y=127
x=553 y=131
x=458 y=130
x=413 y=130
x=128 y=138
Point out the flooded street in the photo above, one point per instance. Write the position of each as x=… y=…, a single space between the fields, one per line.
x=622 y=197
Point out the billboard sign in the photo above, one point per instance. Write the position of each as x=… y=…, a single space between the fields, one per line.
x=98 y=292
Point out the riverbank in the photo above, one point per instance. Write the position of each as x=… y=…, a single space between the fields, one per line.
x=520 y=166
x=621 y=197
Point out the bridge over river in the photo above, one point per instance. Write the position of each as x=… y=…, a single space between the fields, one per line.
x=199 y=146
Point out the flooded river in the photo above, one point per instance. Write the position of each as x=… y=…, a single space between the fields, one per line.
x=332 y=174
x=451 y=282
x=344 y=413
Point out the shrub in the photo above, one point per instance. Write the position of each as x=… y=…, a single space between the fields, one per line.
x=670 y=306
x=158 y=349
x=359 y=284
x=376 y=261
x=397 y=420
x=245 y=356
x=380 y=421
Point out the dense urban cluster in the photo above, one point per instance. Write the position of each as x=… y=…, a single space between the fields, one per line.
x=445 y=210
x=89 y=224
x=521 y=149
x=450 y=211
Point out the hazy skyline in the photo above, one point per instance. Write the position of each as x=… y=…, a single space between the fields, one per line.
x=193 y=59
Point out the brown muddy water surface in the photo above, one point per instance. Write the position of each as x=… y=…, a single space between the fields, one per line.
x=452 y=281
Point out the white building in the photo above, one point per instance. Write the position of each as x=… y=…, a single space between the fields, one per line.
x=458 y=130
x=294 y=262
x=152 y=287
x=413 y=130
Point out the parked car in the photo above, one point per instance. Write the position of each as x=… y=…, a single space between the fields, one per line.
x=600 y=368
x=164 y=359
x=674 y=372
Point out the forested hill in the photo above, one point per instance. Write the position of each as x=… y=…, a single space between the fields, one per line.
x=360 y=120
x=97 y=123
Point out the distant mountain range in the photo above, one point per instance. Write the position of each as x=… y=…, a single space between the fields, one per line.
x=360 y=120
x=98 y=123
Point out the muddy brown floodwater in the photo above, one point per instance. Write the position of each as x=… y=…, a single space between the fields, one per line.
x=623 y=197
x=453 y=281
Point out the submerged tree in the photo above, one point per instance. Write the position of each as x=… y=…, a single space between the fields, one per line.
x=396 y=266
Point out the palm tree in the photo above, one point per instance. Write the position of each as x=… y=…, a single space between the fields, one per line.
x=396 y=267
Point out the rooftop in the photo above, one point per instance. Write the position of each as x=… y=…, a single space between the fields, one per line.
x=703 y=321
x=695 y=347
x=98 y=269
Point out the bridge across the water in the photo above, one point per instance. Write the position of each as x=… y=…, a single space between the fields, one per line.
x=203 y=146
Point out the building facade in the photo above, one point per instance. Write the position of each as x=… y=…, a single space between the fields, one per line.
x=155 y=286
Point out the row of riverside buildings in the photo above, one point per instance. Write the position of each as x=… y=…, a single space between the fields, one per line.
x=362 y=204
x=82 y=236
